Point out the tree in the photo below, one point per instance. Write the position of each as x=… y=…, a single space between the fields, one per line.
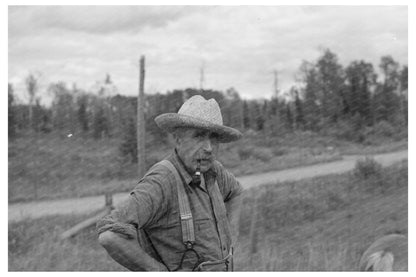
x=32 y=87
x=312 y=104
x=289 y=118
x=331 y=86
x=63 y=108
x=403 y=93
x=299 y=116
x=82 y=114
x=233 y=109
x=107 y=80
x=256 y=115
x=38 y=112
x=361 y=80
x=386 y=99
x=246 y=116
x=11 y=113
x=404 y=78
x=100 y=124
x=390 y=70
x=128 y=147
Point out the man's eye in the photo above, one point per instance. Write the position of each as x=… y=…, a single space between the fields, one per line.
x=199 y=135
x=214 y=137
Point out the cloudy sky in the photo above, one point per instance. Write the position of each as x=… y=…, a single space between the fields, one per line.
x=238 y=46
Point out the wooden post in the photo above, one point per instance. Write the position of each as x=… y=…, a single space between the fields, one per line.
x=109 y=200
x=141 y=158
x=254 y=235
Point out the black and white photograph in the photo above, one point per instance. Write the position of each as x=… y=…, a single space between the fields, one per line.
x=205 y=137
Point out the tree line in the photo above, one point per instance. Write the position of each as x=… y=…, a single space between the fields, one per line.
x=330 y=99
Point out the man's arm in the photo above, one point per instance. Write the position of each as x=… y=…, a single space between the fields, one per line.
x=128 y=253
x=118 y=230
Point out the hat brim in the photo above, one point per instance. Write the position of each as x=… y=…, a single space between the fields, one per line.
x=171 y=121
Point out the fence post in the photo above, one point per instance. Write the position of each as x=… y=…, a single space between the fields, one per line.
x=141 y=159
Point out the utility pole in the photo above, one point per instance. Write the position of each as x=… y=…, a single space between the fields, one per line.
x=201 y=77
x=276 y=87
x=140 y=122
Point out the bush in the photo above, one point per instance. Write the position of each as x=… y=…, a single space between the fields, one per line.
x=366 y=168
x=262 y=154
x=259 y=153
x=279 y=151
x=384 y=129
x=245 y=152
x=343 y=130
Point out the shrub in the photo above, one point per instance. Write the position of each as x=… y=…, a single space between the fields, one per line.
x=259 y=153
x=366 y=168
x=279 y=151
x=341 y=130
x=245 y=152
x=383 y=128
x=262 y=154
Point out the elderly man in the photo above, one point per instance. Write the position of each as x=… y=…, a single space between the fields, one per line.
x=178 y=216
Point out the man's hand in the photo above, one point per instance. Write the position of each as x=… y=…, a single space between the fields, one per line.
x=128 y=253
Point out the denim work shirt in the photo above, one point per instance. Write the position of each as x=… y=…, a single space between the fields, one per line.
x=153 y=206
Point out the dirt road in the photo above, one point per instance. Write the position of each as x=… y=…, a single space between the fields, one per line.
x=20 y=211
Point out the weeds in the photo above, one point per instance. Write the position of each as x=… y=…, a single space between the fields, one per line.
x=48 y=167
x=366 y=168
x=321 y=224
x=34 y=245
x=259 y=153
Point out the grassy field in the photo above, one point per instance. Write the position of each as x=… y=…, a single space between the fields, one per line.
x=320 y=224
x=48 y=167
x=34 y=245
x=323 y=223
x=51 y=166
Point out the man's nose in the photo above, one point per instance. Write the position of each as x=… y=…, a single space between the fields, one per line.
x=207 y=145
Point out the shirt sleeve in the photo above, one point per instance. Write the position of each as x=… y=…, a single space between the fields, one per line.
x=228 y=184
x=145 y=205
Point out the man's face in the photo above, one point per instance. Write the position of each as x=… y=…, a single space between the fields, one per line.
x=193 y=145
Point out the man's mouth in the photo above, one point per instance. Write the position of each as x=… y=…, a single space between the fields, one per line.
x=205 y=160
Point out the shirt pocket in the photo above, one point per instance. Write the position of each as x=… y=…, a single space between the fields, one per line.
x=206 y=235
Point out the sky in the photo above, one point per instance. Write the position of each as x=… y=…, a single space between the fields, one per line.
x=237 y=46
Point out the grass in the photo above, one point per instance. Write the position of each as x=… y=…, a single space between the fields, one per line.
x=359 y=149
x=47 y=167
x=34 y=245
x=51 y=166
x=320 y=224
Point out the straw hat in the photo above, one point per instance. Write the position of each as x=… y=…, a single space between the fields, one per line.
x=199 y=113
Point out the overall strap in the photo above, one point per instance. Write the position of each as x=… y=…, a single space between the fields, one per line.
x=187 y=223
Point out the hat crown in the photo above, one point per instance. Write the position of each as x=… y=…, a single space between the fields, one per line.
x=198 y=107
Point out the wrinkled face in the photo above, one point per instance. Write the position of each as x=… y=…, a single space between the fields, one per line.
x=193 y=145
